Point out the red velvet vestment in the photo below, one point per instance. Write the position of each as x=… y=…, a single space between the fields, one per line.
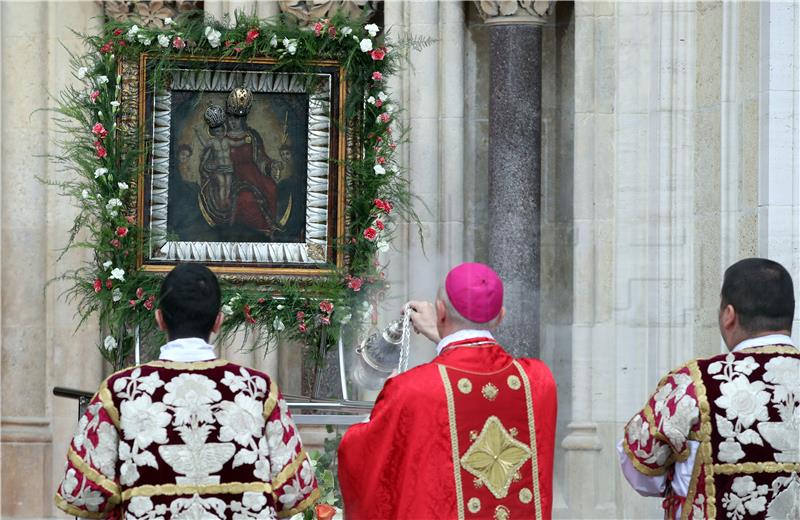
x=452 y=439
x=743 y=408
x=207 y=439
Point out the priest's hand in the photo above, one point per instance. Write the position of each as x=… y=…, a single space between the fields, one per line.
x=423 y=319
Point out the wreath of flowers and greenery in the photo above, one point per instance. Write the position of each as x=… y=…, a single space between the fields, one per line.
x=105 y=159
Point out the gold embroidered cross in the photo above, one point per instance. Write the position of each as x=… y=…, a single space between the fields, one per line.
x=495 y=457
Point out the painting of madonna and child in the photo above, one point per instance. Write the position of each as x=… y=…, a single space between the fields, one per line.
x=238 y=166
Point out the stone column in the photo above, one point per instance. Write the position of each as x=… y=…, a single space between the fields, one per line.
x=515 y=164
x=26 y=431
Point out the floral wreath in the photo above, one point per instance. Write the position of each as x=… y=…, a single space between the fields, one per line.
x=105 y=160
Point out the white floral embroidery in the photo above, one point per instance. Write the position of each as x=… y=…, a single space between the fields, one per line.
x=82 y=497
x=241 y=420
x=143 y=508
x=192 y=396
x=746 y=497
x=744 y=401
x=252 y=506
x=786 y=503
x=197 y=508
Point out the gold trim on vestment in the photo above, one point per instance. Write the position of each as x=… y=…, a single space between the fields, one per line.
x=451 y=415
x=91 y=474
x=302 y=506
x=703 y=457
x=289 y=470
x=68 y=508
x=189 y=365
x=641 y=468
x=200 y=489
x=271 y=400
x=537 y=502
x=756 y=467
x=476 y=373
x=770 y=349
x=108 y=403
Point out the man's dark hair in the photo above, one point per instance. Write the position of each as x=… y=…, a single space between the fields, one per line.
x=762 y=294
x=189 y=301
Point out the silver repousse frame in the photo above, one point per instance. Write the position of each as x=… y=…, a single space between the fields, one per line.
x=325 y=172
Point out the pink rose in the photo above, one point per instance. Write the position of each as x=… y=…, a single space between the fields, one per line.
x=98 y=285
x=109 y=284
x=378 y=54
x=99 y=149
x=377 y=76
x=370 y=234
x=149 y=303
x=381 y=160
x=355 y=284
x=178 y=43
x=379 y=224
x=116 y=243
x=122 y=231
x=302 y=328
x=139 y=293
x=385 y=117
x=94 y=95
x=326 y=306
x=317 y=29
x=325 y=320
x=300 y=315
x=332 y=31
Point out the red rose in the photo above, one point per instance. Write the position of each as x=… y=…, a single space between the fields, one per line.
x=149 y=303
x=99 y=130
x=385 y=117
x=370 y=234
x=381 y=160
x=332 y=31
x=302 y=328
x=105 y=49
x=178 y=43
x=326 y=306
x=139 y=293
x=389 y=206
x=98 y=285
x=252 y=34
x=247 y=316
x=94 y=95
x=122 y=231
x=300 y=315
x=116 y=243
x=377 y=76
x=100 y=149
x=379 y=224
x=117 y=32
x=109 y=284
x=133 y=303
x=378 y=103
x=378 y=54
x=355 y=284
x=317 y=29
x=122 y=43
x=379 y=204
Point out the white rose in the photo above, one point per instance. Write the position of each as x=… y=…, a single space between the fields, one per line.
x=85 y=194
x=226 y=310
x=168 y=21
x=112 y=204
x=372 y=29
x=82 y=72
x=382 y=96
x=122 y=186
x=109 y=343
x=366 y=45
x=279 y=307
x=346 y=31
x=278 y=324
x=114 y=104
x=107 y=264
x=100 y=172
x=383 y=246
x=132 y=33
x=102 y=80
x=371 y=100
x=163 y=40
x=213 y=36
x=379 y=170
x=116 y=294
x=144 y=39
x=273 y=42
x=118 y=274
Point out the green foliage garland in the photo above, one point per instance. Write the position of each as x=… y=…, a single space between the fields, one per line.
x=105 y=160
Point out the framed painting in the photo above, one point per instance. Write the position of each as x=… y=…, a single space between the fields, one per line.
x=243 y=168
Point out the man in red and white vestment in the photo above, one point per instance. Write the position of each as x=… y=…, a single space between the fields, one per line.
x=468 y=435
x=189 y=435
x=720 y=437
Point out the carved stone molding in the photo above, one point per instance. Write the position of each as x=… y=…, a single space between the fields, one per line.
x=309 y=11
x=535 y=12
x=150 y=14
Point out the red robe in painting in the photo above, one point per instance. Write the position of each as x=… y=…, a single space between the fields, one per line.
x=255 y=192
x=453 y=439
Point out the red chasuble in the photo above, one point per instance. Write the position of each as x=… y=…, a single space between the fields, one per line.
x=208 y=439
x=469 y=435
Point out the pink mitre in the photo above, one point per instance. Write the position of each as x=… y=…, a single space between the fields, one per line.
x=475 y=291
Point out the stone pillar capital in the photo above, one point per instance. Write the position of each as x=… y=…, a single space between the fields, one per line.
x=522 y=12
